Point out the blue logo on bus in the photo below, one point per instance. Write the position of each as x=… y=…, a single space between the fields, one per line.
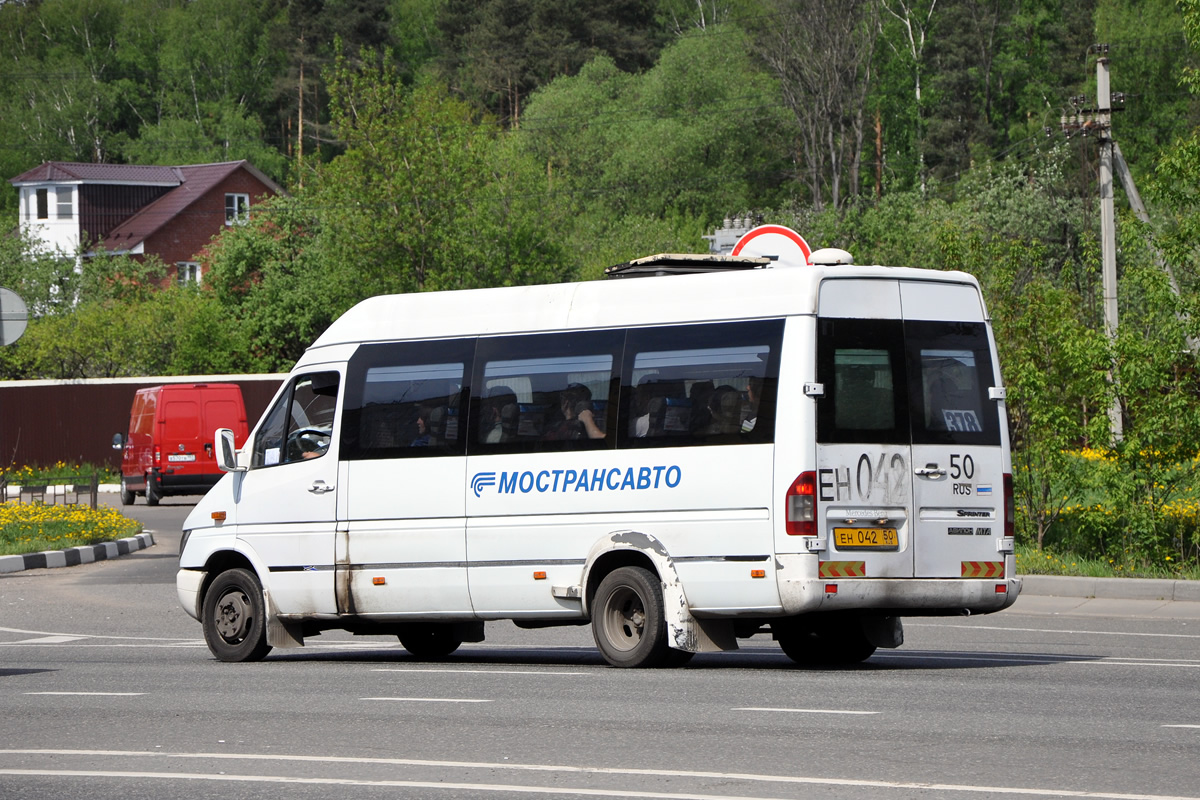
x=614 y=479
x=481 y=481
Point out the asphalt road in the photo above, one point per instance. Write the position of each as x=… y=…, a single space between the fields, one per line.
x=111 y=693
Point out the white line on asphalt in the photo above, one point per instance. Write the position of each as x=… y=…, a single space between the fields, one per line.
x=1181 y=726
x=50 y=640
x=1038 y=658
x=809 y=710
x=427 y=699
x=1051 y=630
x=545 y=768
x=89 y=636
x=93 y=694
x=551 y=673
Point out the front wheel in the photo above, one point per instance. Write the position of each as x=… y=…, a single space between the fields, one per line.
x=430 y=640
x=235 y=619
x=628 y=622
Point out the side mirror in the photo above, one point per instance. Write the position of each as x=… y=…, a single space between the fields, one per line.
x=226 y=451
x=118 y=441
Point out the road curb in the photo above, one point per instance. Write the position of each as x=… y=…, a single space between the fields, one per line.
x=1111 y=588
x=73 y=556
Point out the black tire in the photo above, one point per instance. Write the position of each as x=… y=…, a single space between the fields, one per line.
x=152 y=495
x=235 y=619
x=834 y=641
x=126 y=494
x=430 y=640
x=628 y=622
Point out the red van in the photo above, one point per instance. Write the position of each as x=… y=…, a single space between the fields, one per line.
x=169 y=448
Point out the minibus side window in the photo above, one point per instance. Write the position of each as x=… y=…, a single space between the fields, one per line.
x=546 y=393
x=861 y=364
x=406 y=400
x=953 y=368
x=701 y=384
x=300 y=424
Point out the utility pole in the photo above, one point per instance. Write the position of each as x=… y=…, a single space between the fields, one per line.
x=1098 y=121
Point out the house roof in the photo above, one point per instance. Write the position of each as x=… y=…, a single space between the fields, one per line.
x=74 y=172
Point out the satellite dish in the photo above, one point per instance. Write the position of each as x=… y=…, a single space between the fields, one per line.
x=14 y=316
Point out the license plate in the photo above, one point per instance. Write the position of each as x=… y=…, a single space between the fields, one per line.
x=866 y=539
x=175 y=458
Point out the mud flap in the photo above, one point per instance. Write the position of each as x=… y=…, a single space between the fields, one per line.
x=886 y=632
x=279 y=633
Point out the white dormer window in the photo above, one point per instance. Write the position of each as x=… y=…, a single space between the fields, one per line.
x=237 y=208
x=43 y=204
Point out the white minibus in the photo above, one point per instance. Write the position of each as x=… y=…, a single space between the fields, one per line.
x=811 y=450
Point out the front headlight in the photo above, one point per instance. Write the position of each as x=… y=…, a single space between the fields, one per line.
x=183 y=542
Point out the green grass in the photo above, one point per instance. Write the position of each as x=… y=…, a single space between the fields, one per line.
x=33 y=527
x=1031 y=561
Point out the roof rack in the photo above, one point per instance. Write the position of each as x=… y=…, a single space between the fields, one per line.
x=683 y=264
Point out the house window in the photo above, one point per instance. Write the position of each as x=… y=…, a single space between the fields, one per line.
x=65 y=204
x=43 y=204
x=237 y=208
x=187 y=272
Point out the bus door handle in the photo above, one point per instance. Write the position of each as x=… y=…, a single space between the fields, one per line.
x=320 y=487
x=931 y=471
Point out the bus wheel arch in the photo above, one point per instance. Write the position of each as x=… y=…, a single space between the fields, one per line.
x=621 y=549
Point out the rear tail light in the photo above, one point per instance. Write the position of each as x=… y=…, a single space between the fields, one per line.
x=1010 y=517
x=157 y=456
x=802 y=505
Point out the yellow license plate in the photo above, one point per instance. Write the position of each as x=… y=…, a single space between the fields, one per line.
x=866 y=539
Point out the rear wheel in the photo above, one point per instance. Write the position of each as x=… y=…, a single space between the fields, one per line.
x=126 y=494
x=235 y=620
x=628 y=622
x=430 y=640
x=824 y=642
x=152 y=495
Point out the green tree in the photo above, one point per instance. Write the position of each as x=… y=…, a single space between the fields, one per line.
x=499 y=51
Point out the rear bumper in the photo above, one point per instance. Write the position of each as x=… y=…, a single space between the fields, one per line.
x=898 y=596
x=170 y=484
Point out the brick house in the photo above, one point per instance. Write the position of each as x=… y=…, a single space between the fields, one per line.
x=129 y=209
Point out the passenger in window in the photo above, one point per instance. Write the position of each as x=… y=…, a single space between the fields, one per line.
x=725 y=405
x=643 y=394
x=424 y=438
x=753 y=393
x=501 y=415
x=578 y=420
x=698 y=394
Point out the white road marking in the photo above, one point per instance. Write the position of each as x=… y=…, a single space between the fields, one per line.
x=1051 y=630
x=93 y=694
x=1181 y=726
x=544 y=768
x=1037 y=658
x=810 y=710
x=50 y=640
x=485 y=671
x=428 y=699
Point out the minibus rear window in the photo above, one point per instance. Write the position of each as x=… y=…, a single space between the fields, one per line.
x=952 y=368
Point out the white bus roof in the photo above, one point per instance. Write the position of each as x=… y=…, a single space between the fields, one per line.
x=673 y=299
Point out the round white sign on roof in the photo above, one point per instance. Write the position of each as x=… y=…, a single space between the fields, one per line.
x=782 y=245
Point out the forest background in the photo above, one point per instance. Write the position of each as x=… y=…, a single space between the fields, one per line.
x=440 y=144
